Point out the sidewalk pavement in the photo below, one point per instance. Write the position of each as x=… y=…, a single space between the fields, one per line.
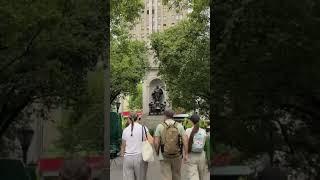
x=153 y=170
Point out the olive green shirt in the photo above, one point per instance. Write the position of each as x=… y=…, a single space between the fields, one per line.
x=160 y=128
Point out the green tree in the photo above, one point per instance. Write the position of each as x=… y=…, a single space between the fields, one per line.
x=128 y=65
x=46 y=49
x=81 y=127
x=135 y=99
x=260 y=77
x=183 y=55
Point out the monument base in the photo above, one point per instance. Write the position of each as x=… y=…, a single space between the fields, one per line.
x=151 y=121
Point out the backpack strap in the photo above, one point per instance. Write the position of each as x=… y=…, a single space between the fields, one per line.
x=145 y=132
x=162 y=135
x=175 y=124
x=142 y=134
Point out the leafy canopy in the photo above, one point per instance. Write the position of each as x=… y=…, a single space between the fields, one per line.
x=183 y=55
x=264 y=72
x=46 y=49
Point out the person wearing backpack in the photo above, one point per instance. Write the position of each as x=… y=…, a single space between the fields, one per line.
x=196 y=166
x=169 y=138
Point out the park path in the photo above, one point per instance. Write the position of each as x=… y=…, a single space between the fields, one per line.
x=116 y=170
x=153 y=170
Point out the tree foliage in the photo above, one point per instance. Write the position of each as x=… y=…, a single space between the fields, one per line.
x=46 y=49
x=135 y=99
x=128 y=65
x=264 y=78
x=81 y=127
x=183 y=55
x=128 y=57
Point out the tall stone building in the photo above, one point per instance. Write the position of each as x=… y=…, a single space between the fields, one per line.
x=154 y=18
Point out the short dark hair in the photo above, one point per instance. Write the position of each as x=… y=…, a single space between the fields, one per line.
x=169 y=113
x=75 y=169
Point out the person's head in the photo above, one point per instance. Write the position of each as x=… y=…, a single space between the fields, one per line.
x=75 y=169
x=195 y=121
x=133 y=118
x=139 y=120
x=168 y=114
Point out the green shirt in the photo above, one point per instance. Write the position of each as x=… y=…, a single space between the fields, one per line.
x=160 y=128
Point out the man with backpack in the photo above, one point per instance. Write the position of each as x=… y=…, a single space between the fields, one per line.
x=169 y=138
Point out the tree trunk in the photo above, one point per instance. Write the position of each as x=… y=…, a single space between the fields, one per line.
x=106 y=62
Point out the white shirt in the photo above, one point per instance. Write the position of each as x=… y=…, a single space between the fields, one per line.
x=189 y=130
x=134 y=142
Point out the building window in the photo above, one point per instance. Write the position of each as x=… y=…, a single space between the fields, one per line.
x=164 y=25
x=147 y=11
x=152 y=11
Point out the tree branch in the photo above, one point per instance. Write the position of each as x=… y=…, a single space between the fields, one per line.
x=114 y=96
x=12 y=115
x=24 y=53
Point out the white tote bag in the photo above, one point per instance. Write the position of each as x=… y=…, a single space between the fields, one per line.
x=147 y=150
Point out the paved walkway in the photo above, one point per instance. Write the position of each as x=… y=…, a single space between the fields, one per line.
x=153 y=170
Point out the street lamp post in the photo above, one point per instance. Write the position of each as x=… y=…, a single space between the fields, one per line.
x=25 y=136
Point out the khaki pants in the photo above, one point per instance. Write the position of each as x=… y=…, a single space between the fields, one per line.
x=134 y=168
x=171 y=169
x=196 y=167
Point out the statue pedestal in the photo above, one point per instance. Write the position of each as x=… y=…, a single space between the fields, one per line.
x=151 y=122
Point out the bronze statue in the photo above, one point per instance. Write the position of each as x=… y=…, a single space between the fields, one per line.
x=157 y=94
x=157 y=107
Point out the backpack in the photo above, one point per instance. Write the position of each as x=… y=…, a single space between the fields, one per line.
x=198 y=142
x=170 y=141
